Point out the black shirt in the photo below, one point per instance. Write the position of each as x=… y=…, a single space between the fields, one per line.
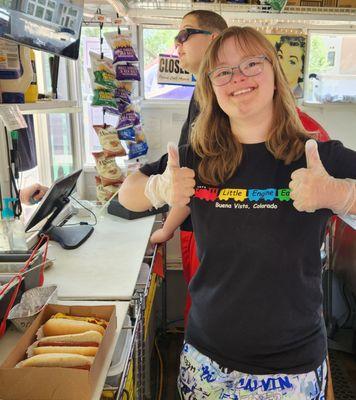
x=257 y=296
x=155 y=167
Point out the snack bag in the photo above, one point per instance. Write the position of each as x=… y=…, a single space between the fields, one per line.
x=127 y=133
x=139 y=135
x=104 y=193
x=137 y=149
x=107 y=168
x=119 y=108
x=121 y=46
x=128 y=118
x=103 y=97
x=125 y=85
x=127 y=72
x=123 y=95
x=109 y=141
x=101 y=64
x=105 y=79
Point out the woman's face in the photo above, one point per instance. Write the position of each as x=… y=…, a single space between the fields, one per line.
x=244 y=97
x=291 y=59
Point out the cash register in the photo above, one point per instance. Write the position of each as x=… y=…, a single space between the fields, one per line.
x=51 y=205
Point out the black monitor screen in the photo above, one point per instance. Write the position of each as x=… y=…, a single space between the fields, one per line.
x=49 y=25
x=55 y=198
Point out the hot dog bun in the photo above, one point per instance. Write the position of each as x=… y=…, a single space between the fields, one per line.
x=82 y=350
x=93 y=320
x=90 y=338
x=60 y=326
x=58 y=360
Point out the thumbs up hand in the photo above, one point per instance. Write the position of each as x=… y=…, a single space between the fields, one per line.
x=175 y=186
x=312 y=188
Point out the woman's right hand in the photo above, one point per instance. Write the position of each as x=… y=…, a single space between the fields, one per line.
x=182 y=179
x=175 y=186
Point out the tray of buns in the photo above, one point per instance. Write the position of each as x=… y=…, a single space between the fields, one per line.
x=61 y=355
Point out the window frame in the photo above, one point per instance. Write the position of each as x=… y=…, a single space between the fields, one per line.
x=42 y=121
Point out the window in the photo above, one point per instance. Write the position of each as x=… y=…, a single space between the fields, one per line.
x=60 y=139
x=39 y=12
x=30 y=8
x=57 y=127
x=160 y=41
x=73 y=12
x=331 y=68
x=48 y=15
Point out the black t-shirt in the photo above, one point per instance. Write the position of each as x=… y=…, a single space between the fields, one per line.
x=155 y=167
x=257 y=296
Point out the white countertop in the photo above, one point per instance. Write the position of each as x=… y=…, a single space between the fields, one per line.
x=106 y=266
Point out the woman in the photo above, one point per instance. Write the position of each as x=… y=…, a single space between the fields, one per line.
x=255 y=328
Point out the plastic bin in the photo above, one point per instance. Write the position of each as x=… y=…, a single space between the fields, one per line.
x=121 y=353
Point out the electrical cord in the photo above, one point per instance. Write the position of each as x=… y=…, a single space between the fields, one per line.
x=17 y=208
x=160 y=372
x=86 y=208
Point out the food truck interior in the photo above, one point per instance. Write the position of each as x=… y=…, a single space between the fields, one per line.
x=92 y=90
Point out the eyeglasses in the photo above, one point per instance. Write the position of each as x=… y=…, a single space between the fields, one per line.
x=250 y=67
x=184 y=34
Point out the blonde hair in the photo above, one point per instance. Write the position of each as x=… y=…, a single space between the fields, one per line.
x=212 y=138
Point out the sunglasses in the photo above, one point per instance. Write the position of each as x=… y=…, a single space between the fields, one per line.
x=184 y=34
x=250 y=67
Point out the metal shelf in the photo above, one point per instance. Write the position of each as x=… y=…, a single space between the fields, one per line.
x=48 y=107
x=171 y=12
x=256 y=15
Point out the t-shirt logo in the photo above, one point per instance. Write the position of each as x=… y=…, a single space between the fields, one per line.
x=243 y=198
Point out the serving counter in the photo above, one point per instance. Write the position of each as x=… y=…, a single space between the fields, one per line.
x=104 y=270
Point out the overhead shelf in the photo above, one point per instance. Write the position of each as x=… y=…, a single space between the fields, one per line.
x=171 y=12
x=46 y=107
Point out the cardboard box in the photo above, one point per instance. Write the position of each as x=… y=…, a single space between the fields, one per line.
x=347 y=3
x=55 y=383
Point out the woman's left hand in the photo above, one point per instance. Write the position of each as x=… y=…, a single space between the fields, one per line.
x=307 y=183
x=312 y=188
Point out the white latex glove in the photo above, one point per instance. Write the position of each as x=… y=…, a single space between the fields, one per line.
x=312 y=188
x=175 y=186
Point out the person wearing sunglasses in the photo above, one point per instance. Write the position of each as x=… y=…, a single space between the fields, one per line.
x=260 y=192
x=197 y=30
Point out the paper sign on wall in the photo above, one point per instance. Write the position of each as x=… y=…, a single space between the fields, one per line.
x=170 y=73
x=12 y=117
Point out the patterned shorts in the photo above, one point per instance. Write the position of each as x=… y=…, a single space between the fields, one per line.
x=202 y=378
